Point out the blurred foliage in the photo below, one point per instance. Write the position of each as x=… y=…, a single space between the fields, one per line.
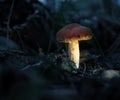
x=27 y=23
x=6 y=44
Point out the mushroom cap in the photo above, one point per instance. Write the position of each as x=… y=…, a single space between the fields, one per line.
x=73 y=32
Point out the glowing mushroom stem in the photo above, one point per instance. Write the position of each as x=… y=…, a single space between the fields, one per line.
x=74 y=52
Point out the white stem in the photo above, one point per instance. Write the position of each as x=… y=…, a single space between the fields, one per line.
x=74 y=52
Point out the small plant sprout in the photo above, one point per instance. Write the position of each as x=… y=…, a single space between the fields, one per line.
x=72 y=34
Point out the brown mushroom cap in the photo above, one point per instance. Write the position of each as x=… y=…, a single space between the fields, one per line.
x=74 y=32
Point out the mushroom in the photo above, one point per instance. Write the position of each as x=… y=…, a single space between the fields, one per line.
x=72 y=34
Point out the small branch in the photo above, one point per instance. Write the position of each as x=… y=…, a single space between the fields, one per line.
x=36 y=64
x=114 y=46
x=9 y=18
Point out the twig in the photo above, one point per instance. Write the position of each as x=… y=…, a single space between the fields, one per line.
x=84 y=70
x=36 y=64
x=21 y=40
x=99 y=46
x=9 y=18
x=114 y=46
